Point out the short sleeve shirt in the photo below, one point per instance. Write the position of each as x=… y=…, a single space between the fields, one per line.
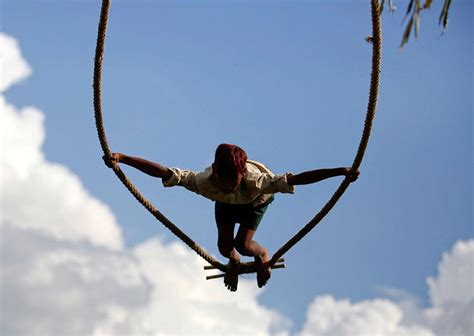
x=257 y=186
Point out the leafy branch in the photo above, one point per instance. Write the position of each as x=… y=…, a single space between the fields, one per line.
x=414 y=9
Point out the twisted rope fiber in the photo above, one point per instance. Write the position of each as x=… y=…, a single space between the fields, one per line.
x=246 y=267
x=105 y=147
x=369 y=118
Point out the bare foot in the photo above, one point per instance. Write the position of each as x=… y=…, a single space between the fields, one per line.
x=263 y=268
x=231 y=278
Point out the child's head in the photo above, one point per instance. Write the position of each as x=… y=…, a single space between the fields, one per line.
x=229 y=166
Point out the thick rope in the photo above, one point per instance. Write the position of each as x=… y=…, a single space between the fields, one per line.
x=248 y=267
x=376 y=40
x=99 y=52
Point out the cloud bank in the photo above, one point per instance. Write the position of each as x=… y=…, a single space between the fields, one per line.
x=451 y=312
x=65 y=270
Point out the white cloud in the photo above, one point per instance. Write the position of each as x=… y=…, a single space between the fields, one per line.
x=455 y=281
x=328 y=316
x=451 y=311
x=42 y=195
x=66 y=288
x=65 y=270
x=23 y=130
x=61 y=287
x=13 y=68
x=452 y=292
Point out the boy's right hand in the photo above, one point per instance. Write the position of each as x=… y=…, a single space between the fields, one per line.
x=353 y=176
x=112 y=160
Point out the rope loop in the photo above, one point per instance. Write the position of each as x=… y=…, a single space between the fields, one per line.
x=375 y=40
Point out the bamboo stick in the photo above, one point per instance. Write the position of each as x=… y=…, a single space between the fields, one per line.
x=221 y=275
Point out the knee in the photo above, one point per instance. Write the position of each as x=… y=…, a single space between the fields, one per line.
x=225 y=247
x=243 y=247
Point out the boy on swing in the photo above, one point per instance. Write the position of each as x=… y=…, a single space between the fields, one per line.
x=242 y=189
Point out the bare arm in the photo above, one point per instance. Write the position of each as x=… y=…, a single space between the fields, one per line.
x=317 y=175
x=151 y=168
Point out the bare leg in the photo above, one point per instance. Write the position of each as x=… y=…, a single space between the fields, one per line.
x=249 y=247
x=226 y=248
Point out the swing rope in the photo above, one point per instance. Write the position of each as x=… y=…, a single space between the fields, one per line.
x=249 y=267
x=99 y=56
x=376 y=40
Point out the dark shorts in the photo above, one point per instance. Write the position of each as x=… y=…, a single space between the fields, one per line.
x=244 y=214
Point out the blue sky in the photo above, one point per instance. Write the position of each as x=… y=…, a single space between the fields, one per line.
x=287 y=81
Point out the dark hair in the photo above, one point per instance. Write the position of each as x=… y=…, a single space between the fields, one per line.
x=229 y=161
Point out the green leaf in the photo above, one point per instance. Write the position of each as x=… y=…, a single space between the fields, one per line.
x=427 y=4
x=381 y=4
x=417 y=17
x=391 y=7
x=443 y=18
x=410 y=6
x=417 y=23
x=406 y=34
